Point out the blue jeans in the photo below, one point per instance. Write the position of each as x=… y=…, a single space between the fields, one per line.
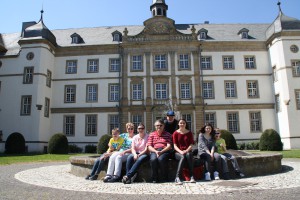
x=207 y=162
x=161 y=163
x=98 y=165
x=133 y=166
x=228 y=156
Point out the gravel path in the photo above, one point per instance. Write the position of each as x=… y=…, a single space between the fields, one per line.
x=53 y=181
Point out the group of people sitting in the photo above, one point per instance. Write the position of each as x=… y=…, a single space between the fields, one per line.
x=171 y=138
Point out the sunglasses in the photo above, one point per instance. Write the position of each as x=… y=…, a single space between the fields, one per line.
x=130 y=129
x=141 y=128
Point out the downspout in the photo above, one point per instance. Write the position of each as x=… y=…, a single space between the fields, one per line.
x=201 y=82
x=120 y=51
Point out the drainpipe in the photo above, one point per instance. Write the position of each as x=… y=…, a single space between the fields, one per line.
x=201 y=81
x=120 y=51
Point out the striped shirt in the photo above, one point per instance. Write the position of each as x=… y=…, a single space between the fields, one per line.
x=157 y=141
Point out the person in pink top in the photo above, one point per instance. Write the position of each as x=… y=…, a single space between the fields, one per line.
x=139 y=154
x=183 y=141
x=159 y=145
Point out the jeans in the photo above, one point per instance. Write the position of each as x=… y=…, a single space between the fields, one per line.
x=228 y=156
x=188 y=158
x=207 y=162
x=115 y=164
x=133 y=166
x=98 y=165
x=161 y=163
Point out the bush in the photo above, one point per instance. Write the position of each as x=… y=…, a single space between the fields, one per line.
x=241 y=146
x=252 y=146
x=58 y=144
x=103 y=144
x=229 y=139
x=90 y=149
x=15 y=144
x=270 y=140
x=73 y=148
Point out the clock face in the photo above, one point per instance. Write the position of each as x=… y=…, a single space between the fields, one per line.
x=160 y=27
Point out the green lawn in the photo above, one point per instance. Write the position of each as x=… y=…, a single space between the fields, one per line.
x=6 y=159
x=295 y=153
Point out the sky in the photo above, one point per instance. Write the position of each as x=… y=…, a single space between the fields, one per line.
x=65 y=14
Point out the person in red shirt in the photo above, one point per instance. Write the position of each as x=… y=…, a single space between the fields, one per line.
x=159 y=145
x=183 y=141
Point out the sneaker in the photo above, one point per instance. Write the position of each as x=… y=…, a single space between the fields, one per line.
x=133 y=178
x=192 y=180
x=113 y=179
x=92 y=178
x=126 y=180
x=178 y=181
x=106 y=178
x=207 y=176
x=216 y=175
x=240 y=174
x=87 y=177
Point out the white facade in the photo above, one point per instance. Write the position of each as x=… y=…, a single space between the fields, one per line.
x=222 y=78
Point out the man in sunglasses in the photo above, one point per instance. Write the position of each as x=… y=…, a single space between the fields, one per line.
x=171 y=124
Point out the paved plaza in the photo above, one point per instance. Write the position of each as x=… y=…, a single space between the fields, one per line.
x=54 y=181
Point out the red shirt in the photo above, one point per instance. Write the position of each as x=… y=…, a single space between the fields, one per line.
x=183 y=141
x=157 y=141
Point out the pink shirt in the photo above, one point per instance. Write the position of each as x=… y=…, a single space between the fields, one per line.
x=139 y=143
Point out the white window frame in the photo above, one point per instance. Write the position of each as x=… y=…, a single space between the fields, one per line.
x=114 y=92
x=28 y=75
x=93 y=66
x=71 y=67
x=233 y=122
x=255 y=121
x=70 y=93
x=184 y=61
x=137 y=91
x=228 y=62
x=137 y=63
x=208 y=90
x=252 y=89
x=114 y=65
x=91 y=123
x=185 y=90
x=297 y=97
x=69 y=125
x=114 y=122
x=250 y=62
x=188 y=118
x=211 y=117
x=296 y=68
x=26 y=104
x=160 y=62
x=91 y=93
x=230 y=89
x=206 y=63
x=161 y=91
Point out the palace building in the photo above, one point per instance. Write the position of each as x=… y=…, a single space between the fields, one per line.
x=83 y=82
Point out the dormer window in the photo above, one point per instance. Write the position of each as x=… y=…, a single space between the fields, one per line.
x=76 y=38
x=202 y=34
x=244 y=33
x=117 y=36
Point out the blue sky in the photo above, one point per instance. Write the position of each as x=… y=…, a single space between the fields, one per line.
x=64 y=14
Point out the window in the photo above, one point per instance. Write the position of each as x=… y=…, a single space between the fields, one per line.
x=70 y=93
x=75 y=40
x=185 y=90
x=244 y=35
x=184 y=61
x=188 y=118
x=28 y=75
x=252 y=88
x=91 y=125
x=114 y=65
x=255 y=122
x=114 y=92
x=116 y=37
x=277 y=103
x=161 y=91
x=71 y=67
x=113 y=122
x=211 y=118
x=48 y=78
x=250 y=62
x=296 y=67
x=160 y=62
x=69 y=125
x=203 y=35
x=137 y=63
x=26 y=102
x=230 y=89
x=297 y=95
x=47 y=107
x=275 y=75
x=93 y=66
x=206 y=62
x=233 y=122
x=92 y=93
x=136 y=120
x=208 y=90
x=228 y=62
x=137 y=91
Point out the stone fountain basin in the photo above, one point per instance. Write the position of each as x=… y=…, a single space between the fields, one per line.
x=251 y=164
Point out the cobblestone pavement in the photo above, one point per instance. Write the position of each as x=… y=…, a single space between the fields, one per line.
x=53 y=181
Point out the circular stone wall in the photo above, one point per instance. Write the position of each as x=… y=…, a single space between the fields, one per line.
x=251 y=164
